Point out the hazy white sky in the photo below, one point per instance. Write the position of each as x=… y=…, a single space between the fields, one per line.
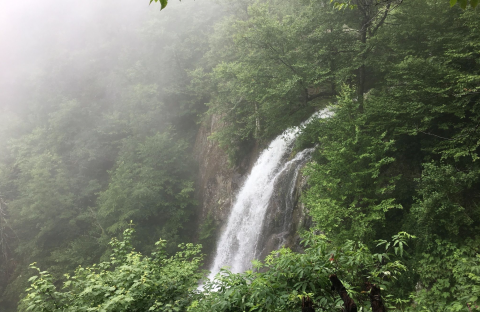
x=30 y=29
x=35 y=32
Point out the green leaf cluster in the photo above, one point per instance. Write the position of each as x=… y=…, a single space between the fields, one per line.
x=280 y=282
x=464 y=3
x=270 y=66
x=129 y=281
x=152 y=185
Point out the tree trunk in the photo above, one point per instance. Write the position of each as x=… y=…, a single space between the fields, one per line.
x=361 y=70
x=350 y=305
x=307 y=304
x=375 y=298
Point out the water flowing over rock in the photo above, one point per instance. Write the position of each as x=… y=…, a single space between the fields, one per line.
x=278 y=228
x=260 y=219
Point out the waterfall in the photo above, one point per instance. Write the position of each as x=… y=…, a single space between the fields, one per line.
x=244 y=236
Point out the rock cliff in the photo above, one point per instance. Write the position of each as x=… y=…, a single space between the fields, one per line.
x=216 y=187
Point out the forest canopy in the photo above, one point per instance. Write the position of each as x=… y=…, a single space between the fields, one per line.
x=101 y=150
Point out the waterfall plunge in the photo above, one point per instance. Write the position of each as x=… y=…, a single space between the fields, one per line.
x=238 y=244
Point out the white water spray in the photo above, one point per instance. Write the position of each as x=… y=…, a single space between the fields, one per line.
x=238 y=243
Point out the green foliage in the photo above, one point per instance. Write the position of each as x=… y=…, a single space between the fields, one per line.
x=89 y=107
x=449 y=275
x=442 y=207
x=163 y=3
x=413 y=144
x=352 y=3
x=93 y=150
x=271 y=65
x=349 y=197
x=152 y=185
x=464 y=3
x=279 y=283
x=207 y=233
x=340 y=5
x=129 y=281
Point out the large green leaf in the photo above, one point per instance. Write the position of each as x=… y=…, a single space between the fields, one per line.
x=163 y=3
x=463 y=4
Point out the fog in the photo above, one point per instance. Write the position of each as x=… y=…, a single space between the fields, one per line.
x=83 y=84
x=38 y=35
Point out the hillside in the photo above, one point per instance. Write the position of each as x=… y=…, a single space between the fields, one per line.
x=122 y=122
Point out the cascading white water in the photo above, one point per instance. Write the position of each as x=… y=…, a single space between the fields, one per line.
x=277 y=228
x=238 y=243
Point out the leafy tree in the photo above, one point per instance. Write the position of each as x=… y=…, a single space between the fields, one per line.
x=285 y=277
x=271 y=66
x=152 y=185
x=414 y=146
x=449 y=275
x=351 y=187
x=354 y=3
x=464 y=3
x=129 y=281
x=87 y=106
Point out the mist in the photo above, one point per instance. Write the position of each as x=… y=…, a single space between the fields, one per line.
x=38 y=37
x=129 y=136
x=91 y=90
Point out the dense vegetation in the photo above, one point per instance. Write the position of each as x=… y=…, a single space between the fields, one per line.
x=400 y=152
x=102 y=136
x=399 y=155
x=128 y=281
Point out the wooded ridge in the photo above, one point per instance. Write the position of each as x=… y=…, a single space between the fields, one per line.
x=97 y=156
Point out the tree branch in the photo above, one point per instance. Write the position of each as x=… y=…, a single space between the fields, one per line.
x=375 y=298
x=321 y=94
x=307 y=304
x=350 y=305
x=385 y=14
x=281 y=60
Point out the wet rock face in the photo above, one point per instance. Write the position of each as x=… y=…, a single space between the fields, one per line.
x=217 y=184
x=217 y=181
x=300 y=218
x=286 y=214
